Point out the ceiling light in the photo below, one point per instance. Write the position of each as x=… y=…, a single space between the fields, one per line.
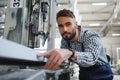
x=94 y=24
x=2 y=26
x=59 y=5
x=99 y=4
x=5 y=7
x=115 y=34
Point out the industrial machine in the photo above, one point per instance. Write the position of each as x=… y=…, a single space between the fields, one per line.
x=30 y=23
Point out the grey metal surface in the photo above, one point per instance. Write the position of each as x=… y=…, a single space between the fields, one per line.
x=15 y=54
x=18 y=75
x=31 y=74
x=10 y=49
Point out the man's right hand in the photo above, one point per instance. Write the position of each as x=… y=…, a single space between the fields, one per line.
x=55 y=57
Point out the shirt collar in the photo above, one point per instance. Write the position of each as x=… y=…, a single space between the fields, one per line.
x=80 y=38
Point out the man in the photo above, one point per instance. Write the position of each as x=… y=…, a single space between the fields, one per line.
x=81 y=46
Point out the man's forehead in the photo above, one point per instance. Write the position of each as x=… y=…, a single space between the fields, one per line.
x=65 y=19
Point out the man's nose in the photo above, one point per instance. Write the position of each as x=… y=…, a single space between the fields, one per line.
x=65 y=28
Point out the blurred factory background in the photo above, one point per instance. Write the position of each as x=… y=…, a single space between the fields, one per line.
x=32 y=23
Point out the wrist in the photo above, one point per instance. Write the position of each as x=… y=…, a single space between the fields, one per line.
x=72 y=56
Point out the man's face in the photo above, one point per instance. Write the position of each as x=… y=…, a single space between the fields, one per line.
x=67 y=27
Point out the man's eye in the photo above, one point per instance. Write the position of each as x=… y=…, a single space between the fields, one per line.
x=60 y=25
x=68 y=24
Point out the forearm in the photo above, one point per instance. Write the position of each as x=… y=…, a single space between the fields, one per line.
x=85 y=59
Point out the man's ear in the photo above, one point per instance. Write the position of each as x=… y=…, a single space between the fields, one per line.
x=76 y=24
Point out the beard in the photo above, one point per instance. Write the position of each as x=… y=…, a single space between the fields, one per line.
x=71 y=36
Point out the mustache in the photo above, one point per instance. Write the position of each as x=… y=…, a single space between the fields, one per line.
x=65 y=33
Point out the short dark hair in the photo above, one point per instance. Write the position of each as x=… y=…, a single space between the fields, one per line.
x=64 y=13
